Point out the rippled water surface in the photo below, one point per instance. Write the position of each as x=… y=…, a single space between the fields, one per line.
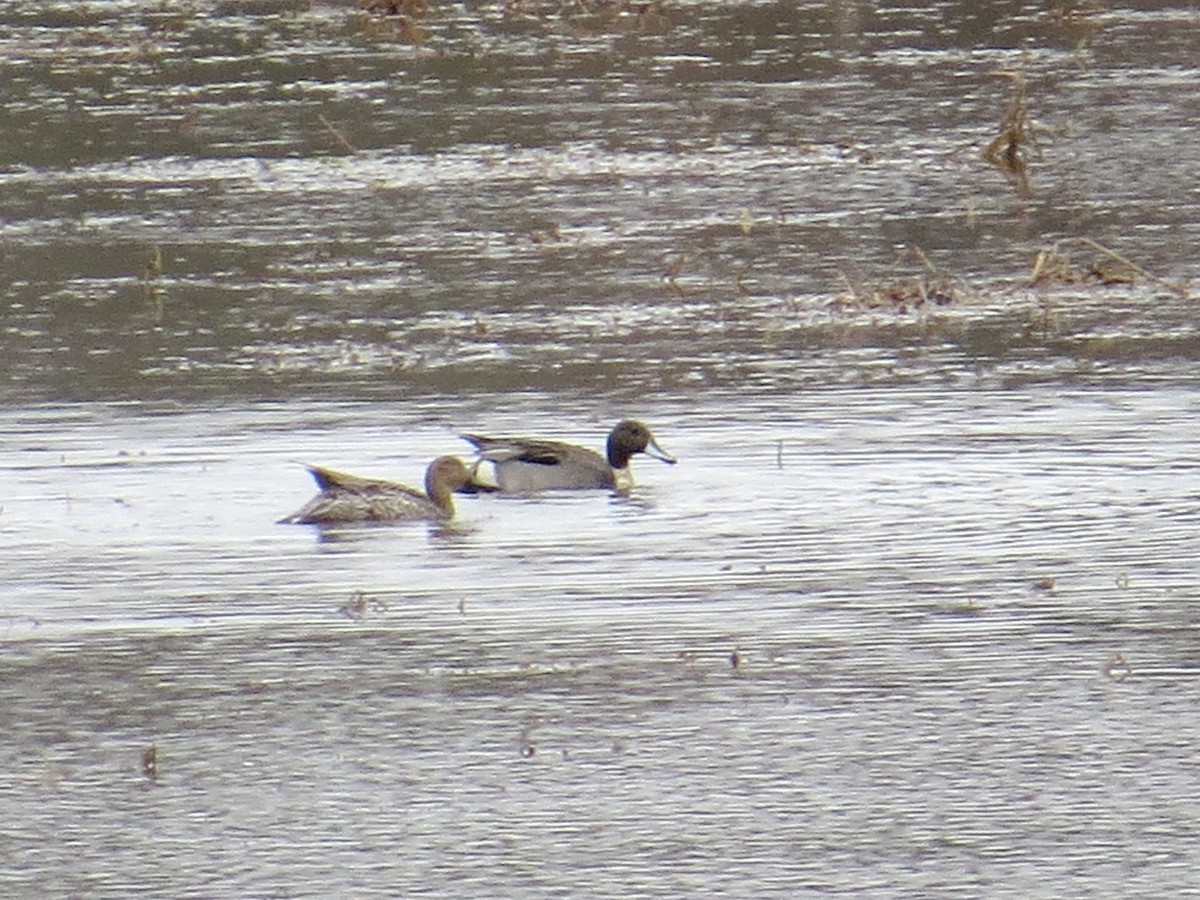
x=914 y=615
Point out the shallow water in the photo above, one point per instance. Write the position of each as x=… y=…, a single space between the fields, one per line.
x=914 y=614
x=819 y=654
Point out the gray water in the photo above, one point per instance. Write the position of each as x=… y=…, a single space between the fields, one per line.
x=913 y=616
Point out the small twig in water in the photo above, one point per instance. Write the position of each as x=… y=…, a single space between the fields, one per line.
x=1116 y=668
x=150 y=763
x=150 y=275
x=337 y=135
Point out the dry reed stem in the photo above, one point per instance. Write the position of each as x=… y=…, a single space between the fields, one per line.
x=337 y=135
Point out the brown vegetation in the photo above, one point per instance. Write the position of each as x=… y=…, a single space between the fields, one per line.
x=1052 y=266
x=930 y=286
x=1009 y=150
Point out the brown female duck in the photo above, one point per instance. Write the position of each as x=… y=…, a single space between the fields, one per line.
x=349 y=498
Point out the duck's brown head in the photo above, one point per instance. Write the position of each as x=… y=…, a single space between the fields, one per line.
x=630 y=437
x=443 y=477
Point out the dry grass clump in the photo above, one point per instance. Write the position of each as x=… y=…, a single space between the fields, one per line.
x=394 y=18
x=403 y=19
x=1053 y=267
x=602 y=8
x=394 y=7
x=929 y=287
x=1077 y=21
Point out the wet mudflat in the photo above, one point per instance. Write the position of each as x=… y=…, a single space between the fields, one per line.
x=913 y=614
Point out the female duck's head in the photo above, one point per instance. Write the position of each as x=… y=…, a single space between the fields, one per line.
x=443 y=477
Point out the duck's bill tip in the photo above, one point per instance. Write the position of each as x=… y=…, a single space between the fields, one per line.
x=657 y=452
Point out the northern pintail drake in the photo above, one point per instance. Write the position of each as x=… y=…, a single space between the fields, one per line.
x=349 y=498
x=526 y=465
